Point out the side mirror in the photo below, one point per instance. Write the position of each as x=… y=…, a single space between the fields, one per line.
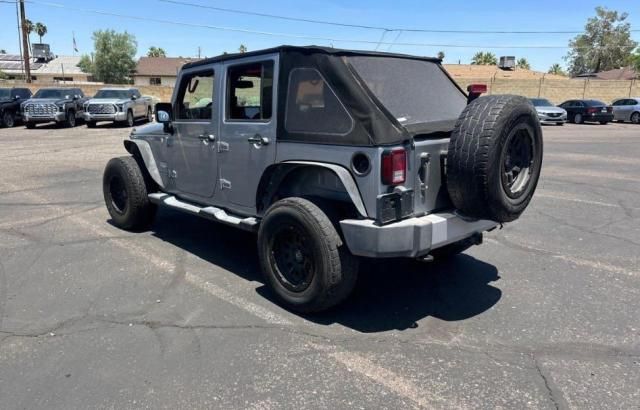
x=16 y=97
x=133 y=97
x=163 y=113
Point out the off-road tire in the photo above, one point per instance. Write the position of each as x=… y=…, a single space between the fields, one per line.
x=481 y=149
x=91 y=124
x=334 y=270
x=578 y=119
x=30 y=125
x=70 y=120
x=8 y=119
x=135 y=212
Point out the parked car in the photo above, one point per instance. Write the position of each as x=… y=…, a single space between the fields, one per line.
x=119 y=105
x=10 y=100
x=313 y=149
x=549 y=113
x=63 y=106
x=627 y=109
x=579 y=111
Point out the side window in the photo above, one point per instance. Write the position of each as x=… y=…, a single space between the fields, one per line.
x=155 y=81
x=619 y=102
x=136 y=93
x=313 y=107
x=250 y=92
x=579 y=104
x=195 y=96
x=25 y=93
x=79 y=93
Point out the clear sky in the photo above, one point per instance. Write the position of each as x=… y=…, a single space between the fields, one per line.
x=443 y=14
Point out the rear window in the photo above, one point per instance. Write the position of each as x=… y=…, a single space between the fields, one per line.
x=594 y=103
x=414 y=91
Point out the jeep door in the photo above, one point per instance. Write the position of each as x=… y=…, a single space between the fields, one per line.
x=191 y=149
x=248 y=129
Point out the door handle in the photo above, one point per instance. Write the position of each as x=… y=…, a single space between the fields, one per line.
x=258 y=140
x=207 y=137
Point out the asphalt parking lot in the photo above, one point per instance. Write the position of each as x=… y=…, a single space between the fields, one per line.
x=544 y=314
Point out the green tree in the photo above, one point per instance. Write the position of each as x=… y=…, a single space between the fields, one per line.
x=113 y=58
x=156 y=52
x=3 y=75
x=556 y=69
x=605 y=44
x=634 y=61
x=523 y=63
x=484 y=58
x=441 y=55
x=40 y=30
x=3 y=51
x=242 y=48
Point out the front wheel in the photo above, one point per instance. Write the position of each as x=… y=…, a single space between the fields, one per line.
x=125 y=191
x=70 y=120
x=130 y=120
x=149 y=115
x=8 y=119
x=303 y=258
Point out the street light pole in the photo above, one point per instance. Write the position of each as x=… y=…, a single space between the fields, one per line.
x=25 y=44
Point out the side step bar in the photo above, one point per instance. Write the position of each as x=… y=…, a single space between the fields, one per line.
x=209 y=212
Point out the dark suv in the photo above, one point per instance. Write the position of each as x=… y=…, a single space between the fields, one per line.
x=10 y=100
x=579 y=111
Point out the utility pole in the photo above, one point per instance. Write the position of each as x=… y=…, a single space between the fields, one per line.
x=198 y=52
x=25 y=44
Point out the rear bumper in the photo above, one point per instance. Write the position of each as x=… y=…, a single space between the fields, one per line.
x=597 y=117
x=411 y=237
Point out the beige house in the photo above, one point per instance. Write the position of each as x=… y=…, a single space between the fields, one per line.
x=158 y=70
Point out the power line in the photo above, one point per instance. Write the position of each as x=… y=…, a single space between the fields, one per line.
x=289 y=35
x=369 y=27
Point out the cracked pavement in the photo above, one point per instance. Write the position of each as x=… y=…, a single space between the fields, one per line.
x=545 y=314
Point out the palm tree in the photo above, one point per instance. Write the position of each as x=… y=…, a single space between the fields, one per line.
x=484 y=58
x=28 y=28
x=156 y=52
x=556 y=69
x=242 y=48
x=441 y=55
x=523 y=63
x=40 y=30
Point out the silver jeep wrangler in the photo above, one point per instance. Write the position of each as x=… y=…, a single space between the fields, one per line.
x=330 y=155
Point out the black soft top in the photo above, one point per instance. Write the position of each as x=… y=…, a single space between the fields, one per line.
x=308 y=50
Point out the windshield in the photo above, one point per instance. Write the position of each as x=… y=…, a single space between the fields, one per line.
x=541 y=102
x=52 y=93
x=414 y=91
x=119 y=94
x=5 y=93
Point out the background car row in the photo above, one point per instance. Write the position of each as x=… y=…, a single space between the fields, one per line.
x=68 y=106
x=581 y=111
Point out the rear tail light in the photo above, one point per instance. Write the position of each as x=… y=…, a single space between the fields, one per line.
x=394 y=166
x=591 y=110
x=475 y=90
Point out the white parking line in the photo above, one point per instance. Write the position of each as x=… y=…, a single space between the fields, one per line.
x=565 y=197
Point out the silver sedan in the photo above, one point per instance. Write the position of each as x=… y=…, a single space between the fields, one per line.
x=549 y=113
x=627 y=109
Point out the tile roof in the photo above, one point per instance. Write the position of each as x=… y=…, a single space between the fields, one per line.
x=161 y=66
x=618 y=74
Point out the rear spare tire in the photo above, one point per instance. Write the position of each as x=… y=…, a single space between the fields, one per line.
x=494 y=158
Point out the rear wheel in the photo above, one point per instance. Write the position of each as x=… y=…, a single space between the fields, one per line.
x=635 y=118
x=8 y=119
x=303 y=258
x=130 y=121
x=578 y=119
x=125 y=191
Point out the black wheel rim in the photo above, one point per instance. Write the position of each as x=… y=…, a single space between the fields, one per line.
x=517 y=160
x=119 y=195
x=292 y=258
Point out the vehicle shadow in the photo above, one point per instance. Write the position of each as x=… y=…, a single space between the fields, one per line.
x=390 y=294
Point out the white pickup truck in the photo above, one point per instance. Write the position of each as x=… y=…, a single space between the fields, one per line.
x=119 y=105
